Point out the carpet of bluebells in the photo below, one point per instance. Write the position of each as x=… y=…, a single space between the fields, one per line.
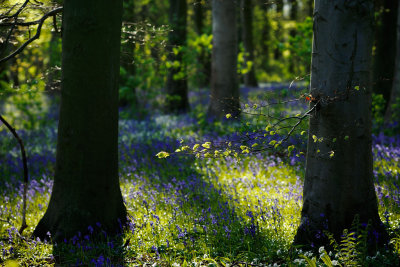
x=186 y=210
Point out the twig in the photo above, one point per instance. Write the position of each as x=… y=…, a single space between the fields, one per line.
x=25 y=164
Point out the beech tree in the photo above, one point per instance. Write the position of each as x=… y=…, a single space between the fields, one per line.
x=177 y=90
x=339 y=180
x=224 y=97
x=86 y=185
x=246 y=11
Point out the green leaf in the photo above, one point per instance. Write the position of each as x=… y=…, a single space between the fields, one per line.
x=315 y=138
x=162 y=154
x=195 y=147
x=206 y=145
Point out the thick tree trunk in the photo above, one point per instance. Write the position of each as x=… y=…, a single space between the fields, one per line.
x=86 y=185
x=177 y=90
x=395 y=94
x=338 y=187
x=224 y=97
x=246 y=7
x=385 y=49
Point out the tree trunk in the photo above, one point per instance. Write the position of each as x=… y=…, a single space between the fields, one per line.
x=204 y=58
x=224 y=97
x=338 y=187
x=293 y=17
x=198 y=16
x=86 y=185
x=395 y=94
x=246 y=7
x=265 y=36
x=177 y=91
x=310 y=8
x=385 y=49
x=279 y=6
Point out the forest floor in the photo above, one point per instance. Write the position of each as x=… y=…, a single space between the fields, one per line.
x=194 y=211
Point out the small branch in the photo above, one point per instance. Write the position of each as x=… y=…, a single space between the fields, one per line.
x=36 y=36
x=25 y=164
x=16 y=14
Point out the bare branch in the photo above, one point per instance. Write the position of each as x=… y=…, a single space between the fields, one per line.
x=25 y=164
x=16 y=14
x=36 y=36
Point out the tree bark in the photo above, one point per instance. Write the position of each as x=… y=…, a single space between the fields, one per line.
x=177 y=91
x=204 y=57
x=198 y=16
x=385 y=49
x=395 y=94
x=265 y=36
x=246 y=7
x=310 y=8
x=279 y=6
x=293 y=32
x=224 y=97
x=86 y=185
x=338 y=188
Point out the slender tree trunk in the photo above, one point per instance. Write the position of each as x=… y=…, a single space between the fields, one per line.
x=340 y=186
x=279 y=6
x=177 y=90
x=246 y=7
x=278 y=33
x=385 y=49
x=265 y=35
x=395 y=94
x=86 y=184
x=310 y=7
x=293 y=32
x=204 y=58
x=224 y=97
x=198 y=16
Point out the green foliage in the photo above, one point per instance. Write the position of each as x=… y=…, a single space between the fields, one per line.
x=378 y=108
x=299 y=47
